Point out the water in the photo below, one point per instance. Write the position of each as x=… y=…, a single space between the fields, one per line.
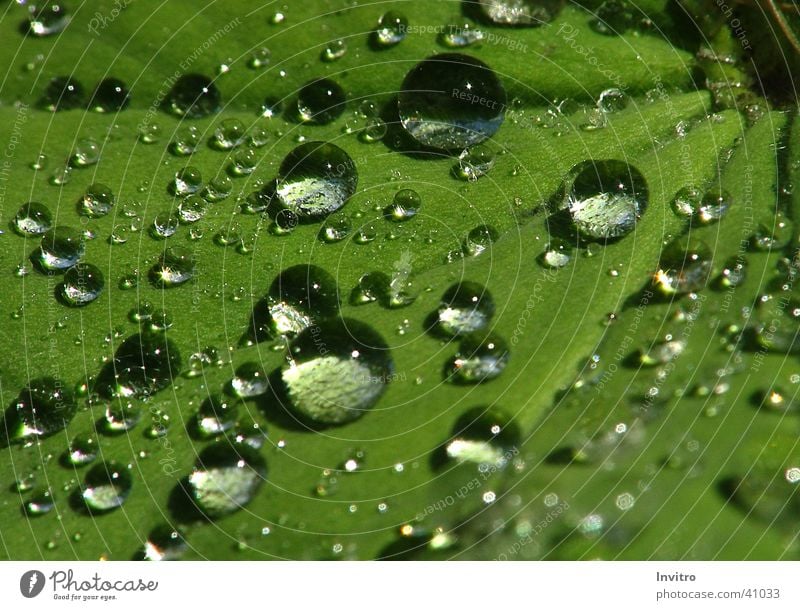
x=391 y=29
x=187 y=181
x=480 y=357
x=244 y=162
x=121 y=417
x=33 y=218
x=336 y=228
x=404 y=206
x=41 y=502
x=486 y=436
x=315 y=180
x=335 y=49
x=106 y=487
x=176 y=266
x=684 y=268
x=229 y=134
x=61 y=248
x=86 y=153
x=474 y=163
x=218 y=188
x=249 y=381
x=301 y=296
x=321 y=101
x=557 y=254
x=714 y=205
x=216 y=416
x=336 y=371
x=466 y=307
x=192 y=209
x=111 y=95
x=226 y=478
x=193 y=96
x=42 y=409
x=186 y=142
x=164 y=544
x=97 y=200
x=520 y=12
x=83 y=284
x=62 y=93
x=52 y=18
x=612 y=100
x=687 y=201
x=480 y=239
x=463 y=34
x=259 y=59
x=437 y=105
x=164 y=225
x=83 y=450
x=605 y=199
x=143 y=364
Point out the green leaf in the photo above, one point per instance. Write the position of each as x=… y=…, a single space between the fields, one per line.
x=566 y=386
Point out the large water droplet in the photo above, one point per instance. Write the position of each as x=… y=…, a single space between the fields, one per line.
x=226 y=478
x=82 y=451
x=337 y=371
x=62 y=247
x=44 y=408
x=106 y=487
x=466 y=308
x=315 y=180
x=605 y=199
x=193 y=96
x=300 y=296
x=451 y=102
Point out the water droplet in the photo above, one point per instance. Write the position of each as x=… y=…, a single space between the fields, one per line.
x=62 y=93
x=480 y=357
x=451 y=102
x=365 y=234
x=271 y=108
x=335 y=228
x=193 y=96
x=244 y=162
x=687 y=201
x=82 y=451
x=164 y=544
x=520 y=12
x=229 y=134
x=484 y=436
x=474 y=163
x=176 y=267
x=62 y=247
x=316 y=179
x=480 y=239
x=97 y=200
x=466 y=307
x=259 y=59
x=40 y=503
x=149 y=133
x=226 y=478
x=33 y=218
x=337 y=370
x=215 y=416
x=186 y=141
x=461 y=35
x=86 y=153
x=321 y=101
x=335 y=49
x=44 y=408
x=83 y=283
x=774 y=234
x=612 y=100
x=391 y=30
x=662 y=352
x=187 y=181
x=404 y=206
x=683 y=268
x=143 y=364
x=219 y=188
x=164 y=225
x=40 y=162
x=374 y=130
x=249 y=381
x=556 y=254
x=301 y=296
x=714 y=205
x=605 y=199
x=106 y=487
x=614 y=17
x=121 y=417
x=733 y=273
x=111 y=95
x=51 y=19
x=192 y=209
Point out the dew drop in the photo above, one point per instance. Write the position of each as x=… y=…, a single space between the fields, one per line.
x=40 y=503
x=192 y=209
x=42 y=409
x=193 y=96
x=480 y=239
x=61 y=248
x=215 y=416
x=520 y=12
x=187 y=181
x=249 y=381
x=474 y=163
x=391 y=29
x=121 y=417
x=33 y=218
x=62 y=93
x=83 y=283
x=335 y=228
x=321 y=101
x=226 y=478
x=714 y=205
x=301 y=296
x=315 y=180
x=164 y=544
x=97 y=200
x=404 y=206
x=335 y=49
x=556 y=254
x=143 y=364
x=106 y=487
x=51 y=19
x=464 y=34
x=683 y=268
x=82 y=451
x=229 y=134
x=466 y=307
x=111 y=95
x=484 y=436
x=480 y=357
x=186 y=141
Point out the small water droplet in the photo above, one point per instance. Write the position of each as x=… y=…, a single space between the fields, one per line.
x=83 y=283
x=480 y=357
x=466 y=307
x=391 y=29
x=33 y=218
x=97 y=200
x=106 y=487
